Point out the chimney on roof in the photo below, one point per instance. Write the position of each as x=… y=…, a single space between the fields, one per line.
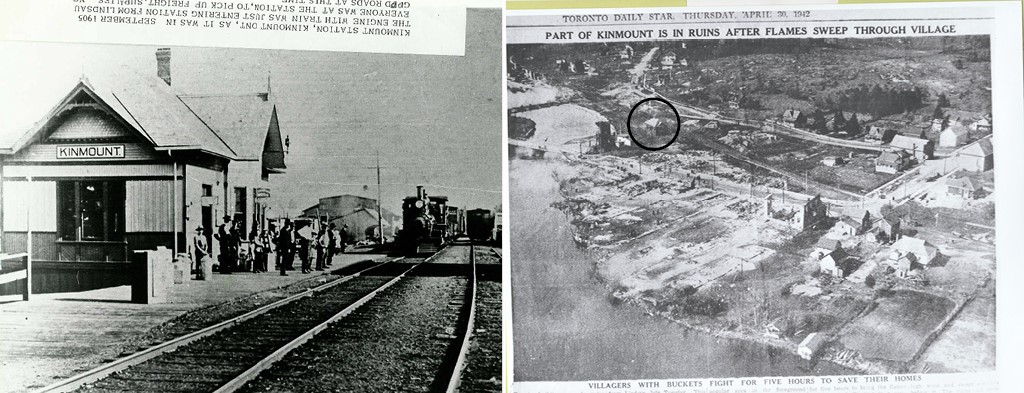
x=163 y=64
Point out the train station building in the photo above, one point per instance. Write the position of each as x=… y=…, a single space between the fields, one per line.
x=124 y=162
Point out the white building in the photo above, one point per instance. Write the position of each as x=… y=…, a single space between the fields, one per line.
x=953 y=136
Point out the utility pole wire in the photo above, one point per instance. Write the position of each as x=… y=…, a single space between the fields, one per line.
x=380 y=217
x=404 y=184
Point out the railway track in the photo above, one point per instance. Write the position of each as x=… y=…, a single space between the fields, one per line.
x=269 y=343
x=483 y=372
x=415 y=337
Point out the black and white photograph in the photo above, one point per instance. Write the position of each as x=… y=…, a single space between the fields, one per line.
x=730 y=208
x=200 y=219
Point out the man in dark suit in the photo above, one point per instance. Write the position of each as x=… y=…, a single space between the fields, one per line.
x=286 y=246
x=225 y=243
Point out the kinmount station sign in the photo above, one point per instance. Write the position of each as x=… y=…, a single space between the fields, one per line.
x=90 y=152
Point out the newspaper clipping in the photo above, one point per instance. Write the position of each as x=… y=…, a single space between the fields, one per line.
x=758 y=200
x=392 y=26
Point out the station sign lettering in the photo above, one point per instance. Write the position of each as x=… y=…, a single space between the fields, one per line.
x=90 y=152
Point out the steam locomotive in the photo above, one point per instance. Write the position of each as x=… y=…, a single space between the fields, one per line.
x=429 y=223
x=426 y=224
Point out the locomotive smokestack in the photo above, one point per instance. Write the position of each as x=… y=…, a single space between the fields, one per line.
x=419 y=192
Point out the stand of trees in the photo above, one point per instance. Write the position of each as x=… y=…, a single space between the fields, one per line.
x=521 y=127
x=877 y=101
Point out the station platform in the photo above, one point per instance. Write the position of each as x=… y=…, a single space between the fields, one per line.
x=55 y=336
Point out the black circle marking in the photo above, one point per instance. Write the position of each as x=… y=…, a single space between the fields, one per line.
x=629 y=119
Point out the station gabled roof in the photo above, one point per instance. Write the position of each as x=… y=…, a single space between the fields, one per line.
x=146 y=104
x=245 y=121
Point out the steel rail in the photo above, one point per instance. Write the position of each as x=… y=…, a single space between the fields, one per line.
x=460 y=363
x=265 y=363
x=121 y=364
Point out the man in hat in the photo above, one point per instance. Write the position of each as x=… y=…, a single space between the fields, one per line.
x=332 y=243
x=303 y=237
x=199 y=251
x=275 y=247
x=343 y=239
x=225 y=242
x=286 y=247
x=322 y=243
x=261 y=247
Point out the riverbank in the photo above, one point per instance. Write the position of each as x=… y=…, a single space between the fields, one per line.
x=569 y=327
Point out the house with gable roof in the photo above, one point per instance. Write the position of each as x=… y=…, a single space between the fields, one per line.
x=919 y=148
x=963 y=187
x=976 y=157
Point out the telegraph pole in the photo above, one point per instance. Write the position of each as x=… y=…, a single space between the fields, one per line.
x=380 y=208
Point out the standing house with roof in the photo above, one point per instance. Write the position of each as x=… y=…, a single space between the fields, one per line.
x=963 y=187
x=953 y=136
x=794 y=118
x=892 y=162
x=976 y=157
x=847 y=226
x=916 y=251
x=983 y=125
x=120 y=164
x=811 y=345
x=884 y=230
x=837 y=263
x=919 y=148
x=825 y=246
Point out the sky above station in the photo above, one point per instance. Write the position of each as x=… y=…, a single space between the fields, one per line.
x=435 y=120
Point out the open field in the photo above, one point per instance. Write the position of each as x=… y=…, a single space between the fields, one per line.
x=905 y=319
x=969 y=343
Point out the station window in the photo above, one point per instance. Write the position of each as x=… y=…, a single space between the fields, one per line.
x=90 y=210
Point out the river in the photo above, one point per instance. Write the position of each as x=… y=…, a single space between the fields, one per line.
x=566 y=328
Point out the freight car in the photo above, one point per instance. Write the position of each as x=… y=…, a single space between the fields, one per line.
x=479 y=225
x=424 y=223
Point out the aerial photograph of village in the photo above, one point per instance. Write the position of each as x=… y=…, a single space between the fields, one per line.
x=787 y=206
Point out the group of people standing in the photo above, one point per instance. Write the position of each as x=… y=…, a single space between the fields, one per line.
x=287 y=244
x=293 y=242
